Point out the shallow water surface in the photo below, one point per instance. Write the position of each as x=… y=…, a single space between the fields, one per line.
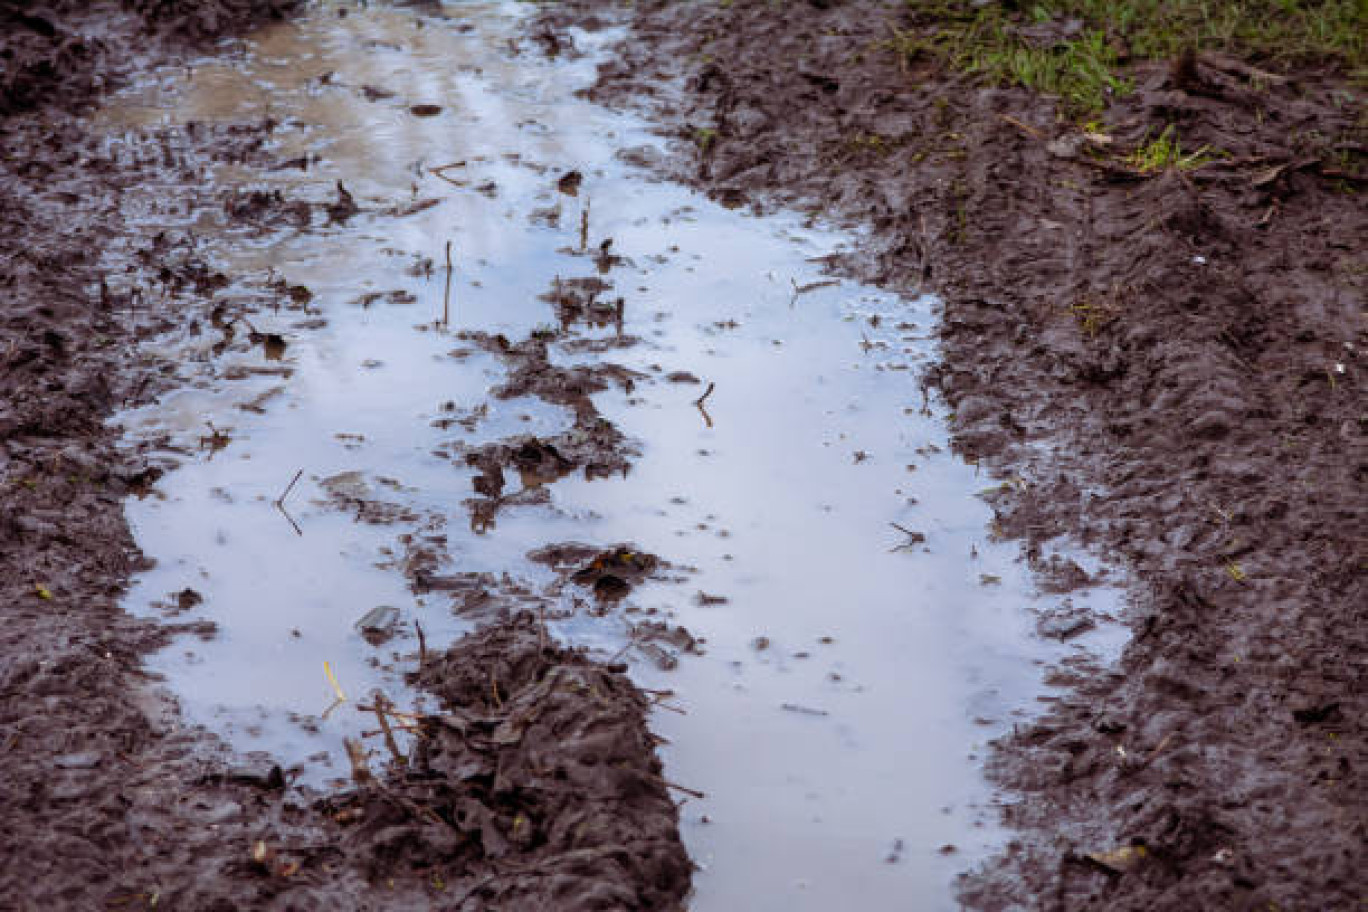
x=848 y=675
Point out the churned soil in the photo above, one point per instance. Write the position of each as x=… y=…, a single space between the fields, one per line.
x=1167 y=363
x=540 y=790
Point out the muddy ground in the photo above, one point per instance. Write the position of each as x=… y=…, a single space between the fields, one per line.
x=525 y=793
x=1166 y=365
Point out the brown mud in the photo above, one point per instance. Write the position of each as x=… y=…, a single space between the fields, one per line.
x=1166 y=366
x=536 y=786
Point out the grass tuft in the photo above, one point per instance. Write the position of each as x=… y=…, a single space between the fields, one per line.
x=1165 y=152
x=1075 y=49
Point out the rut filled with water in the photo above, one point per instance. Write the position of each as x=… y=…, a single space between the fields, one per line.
x=499 y=364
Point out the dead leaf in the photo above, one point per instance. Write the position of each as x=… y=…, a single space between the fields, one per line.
x=1120 y=860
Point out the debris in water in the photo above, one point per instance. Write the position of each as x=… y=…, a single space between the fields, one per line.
x=332 y=679
x=377 y=625
x=273 y=346
x=280 y=501
x=569 y=184
x=803 y=710
x=440 y=172
x=345 y=206
x=913 y=538
x=612 y=573
x=425 y=110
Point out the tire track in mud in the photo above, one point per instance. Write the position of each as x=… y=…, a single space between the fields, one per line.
x=1170 y=363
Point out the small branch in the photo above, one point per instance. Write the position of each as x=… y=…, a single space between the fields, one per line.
x=280 y=501
x=1023 y=127
x=382 y=706
x=494 y=690
x=440 y=172
x=446 y=298
x=422 y=647
x=707 y=419
x=289 y=519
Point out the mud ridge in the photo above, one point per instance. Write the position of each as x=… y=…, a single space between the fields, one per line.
x=1168 y=364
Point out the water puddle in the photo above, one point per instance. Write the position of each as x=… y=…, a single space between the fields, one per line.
x=621 y=362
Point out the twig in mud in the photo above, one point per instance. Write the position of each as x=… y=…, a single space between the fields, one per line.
x=446 y=298
x=494 y=690
x=389 y=710
x=412 y=728
x=381 y=707
x=1163 y=743
x=810 y=286
x=685 y=789
x=541 y=630
x=280 y=501
x=694 y=793
x=422 y=647
x=925 y=245
x=1023 y=127
x=584 y=226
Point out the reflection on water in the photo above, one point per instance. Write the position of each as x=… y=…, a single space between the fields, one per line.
x=851 y=670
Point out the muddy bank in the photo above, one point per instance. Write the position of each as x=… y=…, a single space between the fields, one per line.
x=1165 y=363
x=111 y=800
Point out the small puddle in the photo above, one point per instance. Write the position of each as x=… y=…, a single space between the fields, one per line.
x=860 y=635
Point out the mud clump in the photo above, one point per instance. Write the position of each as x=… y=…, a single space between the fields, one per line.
x=521 y=793
x=591 y=445
x=1170 y=357
x=64 y=54
x=610 y=574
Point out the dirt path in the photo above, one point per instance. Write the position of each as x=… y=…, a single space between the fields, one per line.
x=1161 y=351
x=110 y=800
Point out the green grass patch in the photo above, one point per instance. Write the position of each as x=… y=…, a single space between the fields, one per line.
x=1076 y=49
x=1278 y=33
x=1166 y=151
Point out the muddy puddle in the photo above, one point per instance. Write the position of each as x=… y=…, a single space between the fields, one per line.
x=367 y=442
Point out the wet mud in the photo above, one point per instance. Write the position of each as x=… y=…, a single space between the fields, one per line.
x=535 y=785
x=1166 y=367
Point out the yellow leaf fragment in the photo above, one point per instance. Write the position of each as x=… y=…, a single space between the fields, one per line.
x=332 y=679
x=43 y=592
x=1119 y=860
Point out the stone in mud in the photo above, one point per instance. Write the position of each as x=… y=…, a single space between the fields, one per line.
x=377 y=626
